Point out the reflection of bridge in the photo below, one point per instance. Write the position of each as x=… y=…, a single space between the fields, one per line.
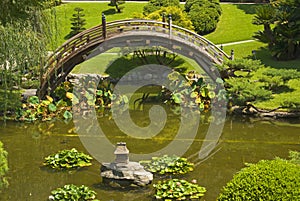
x=127 y=33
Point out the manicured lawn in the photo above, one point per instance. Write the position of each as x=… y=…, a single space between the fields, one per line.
x=235 y=24
x=93 y=15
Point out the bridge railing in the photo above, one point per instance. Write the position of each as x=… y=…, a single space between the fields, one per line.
x=163 y=27
x=120 y=26
x=90 y=37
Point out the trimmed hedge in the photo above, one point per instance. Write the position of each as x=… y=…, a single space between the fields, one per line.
x=204 y=14
x=267 y=180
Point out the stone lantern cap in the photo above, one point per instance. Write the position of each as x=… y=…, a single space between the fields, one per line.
x=121 y=148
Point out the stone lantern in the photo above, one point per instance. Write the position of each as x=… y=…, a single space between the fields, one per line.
x=123 y=172
x=121 y=153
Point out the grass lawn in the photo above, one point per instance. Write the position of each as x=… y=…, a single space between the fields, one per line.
x=111 y=63
x=93 y=15
x=235 y=24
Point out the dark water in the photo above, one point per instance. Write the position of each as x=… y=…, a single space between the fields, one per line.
x=242 y=140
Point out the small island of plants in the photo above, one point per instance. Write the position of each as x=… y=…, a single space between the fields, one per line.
x=68 y=159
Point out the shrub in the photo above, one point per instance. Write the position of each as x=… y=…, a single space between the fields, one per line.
x=118 y=4
x=294 y=157
x=67 y=159
x=3 y=167
x=71 y=192
x=179 y=17
x=154 y=5
x=77 y=22
x=267 y=180
x=244 y=90
x=285 y=74
x=176 y=189
x=204 y=14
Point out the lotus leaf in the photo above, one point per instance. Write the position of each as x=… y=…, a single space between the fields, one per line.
x=178 y=189
x=168 y=165
x=71 y=192
x=67 y=159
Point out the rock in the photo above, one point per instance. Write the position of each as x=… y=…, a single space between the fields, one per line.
x=27 y=93
x=132 y=172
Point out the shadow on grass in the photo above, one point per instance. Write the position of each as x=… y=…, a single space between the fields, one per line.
x=248 y=8
x=110 y=11
x=126 y=63
x=263 y=54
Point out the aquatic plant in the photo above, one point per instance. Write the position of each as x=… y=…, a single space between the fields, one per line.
x=3 y=167
x=178 y=189
x=72 y=192
x=193 y=92
x=68 y=159
x=44 y=110
x=168 y=165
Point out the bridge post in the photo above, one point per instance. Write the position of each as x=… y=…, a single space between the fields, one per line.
x=232 y=55
x=164 y=19
x=170 y=25
x=103 y=26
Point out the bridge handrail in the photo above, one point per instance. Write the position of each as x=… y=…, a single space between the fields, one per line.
x=76 y=43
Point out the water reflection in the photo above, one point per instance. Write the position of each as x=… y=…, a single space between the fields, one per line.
x=243 y=140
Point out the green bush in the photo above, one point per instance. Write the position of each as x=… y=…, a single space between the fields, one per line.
x=285 y=74
x=154 y=5
x=294 y=157
x=204 y=14
x=3 y=167
x=243 y=90
x=73 y=193
x=179 y=17
x=267 y=180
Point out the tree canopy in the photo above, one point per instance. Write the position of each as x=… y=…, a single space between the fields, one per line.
x=281 y=21
x=154 y=5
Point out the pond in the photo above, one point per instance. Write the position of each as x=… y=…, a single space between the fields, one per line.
x=242 y=140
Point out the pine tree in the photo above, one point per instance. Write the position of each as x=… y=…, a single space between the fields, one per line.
x=77 y=22
x=117 y=4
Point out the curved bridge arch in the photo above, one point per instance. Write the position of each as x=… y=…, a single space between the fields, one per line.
x=126 y=33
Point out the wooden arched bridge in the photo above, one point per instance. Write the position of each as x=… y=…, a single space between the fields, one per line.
x=127 y=33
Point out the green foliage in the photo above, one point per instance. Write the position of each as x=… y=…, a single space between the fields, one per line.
x=204 y=14
x=12 y=11
x=117 y=4
x=193 y=92
x=168 y=165
x=71 y=192
x=294 y=157
x=20 y=50
x=3 y=167
x=243 y=90
x=77 y=22
x=176 y=189
x=179 y=17
x=68 y=159
x=44 y=110
x=281 y=21
x=55 y=3
x=154 y=5
x=267 y=180
x=285 y=74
